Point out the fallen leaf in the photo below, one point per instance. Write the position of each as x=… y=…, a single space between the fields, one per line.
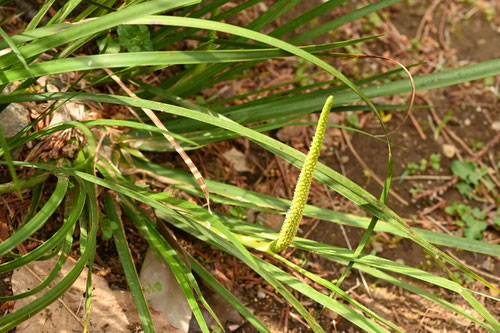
x=238 y=159
x=164 y=293
x=71 y=111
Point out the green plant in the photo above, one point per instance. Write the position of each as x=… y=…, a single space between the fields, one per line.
x=471 y=219
x=353 y=119
x=238 y=212
x=472 y=176
x=113 y=155
x=135 y=38
x=413 y=168
x=476 y=145
x=435 y=161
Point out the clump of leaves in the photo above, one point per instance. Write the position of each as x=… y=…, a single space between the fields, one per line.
x=463 y=278
x=353 y=120
x=108 y=227
x=135 y=38
x=473 y=220
x=413 y=168
x=435 y=161
x=473 y=177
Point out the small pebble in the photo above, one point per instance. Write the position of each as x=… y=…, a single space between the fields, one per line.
x=496 y=125
x=13 y=119
x=261 y=294
x=378 y=247
x=467 y=122
x=449 y=150
x=330 y=314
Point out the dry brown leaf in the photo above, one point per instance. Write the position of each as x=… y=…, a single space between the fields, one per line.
x=238 y=159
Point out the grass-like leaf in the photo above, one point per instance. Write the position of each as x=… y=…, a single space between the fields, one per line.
x=129 y=266
x=11 y=320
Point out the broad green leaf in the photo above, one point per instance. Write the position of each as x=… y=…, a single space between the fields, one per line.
x=465 y=170
x=474 y=227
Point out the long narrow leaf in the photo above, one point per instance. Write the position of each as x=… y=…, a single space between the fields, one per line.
x=11 y=320
x=93 y=26
x=324 y=174
x=129 y=267
x=26 y=230
x=158 y=58
x=76 y=209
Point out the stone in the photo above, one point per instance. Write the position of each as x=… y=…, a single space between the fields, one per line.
x=449 y=150
x=496 y=125
x=378 y=247
x=13 y=119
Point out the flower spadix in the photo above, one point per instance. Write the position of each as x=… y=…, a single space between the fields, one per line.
x=294 y=214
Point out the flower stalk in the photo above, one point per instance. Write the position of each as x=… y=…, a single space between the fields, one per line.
x=299 y=201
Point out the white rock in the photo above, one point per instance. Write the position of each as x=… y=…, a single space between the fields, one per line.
x=496 y=125
x=378 y=247
x=449 y=150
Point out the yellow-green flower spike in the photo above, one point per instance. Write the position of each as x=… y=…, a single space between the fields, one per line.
x=294 y=214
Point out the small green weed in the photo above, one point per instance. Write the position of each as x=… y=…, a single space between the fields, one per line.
x=302 y=70
x=107 y=228
x=472 y=177
x=476 y=145
x=473 y=220
x=353 y=120
x=413 y=168
x=135 y=38
x=435 y=161
x=463 y=278
x=238 y=212
x=150 y=289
